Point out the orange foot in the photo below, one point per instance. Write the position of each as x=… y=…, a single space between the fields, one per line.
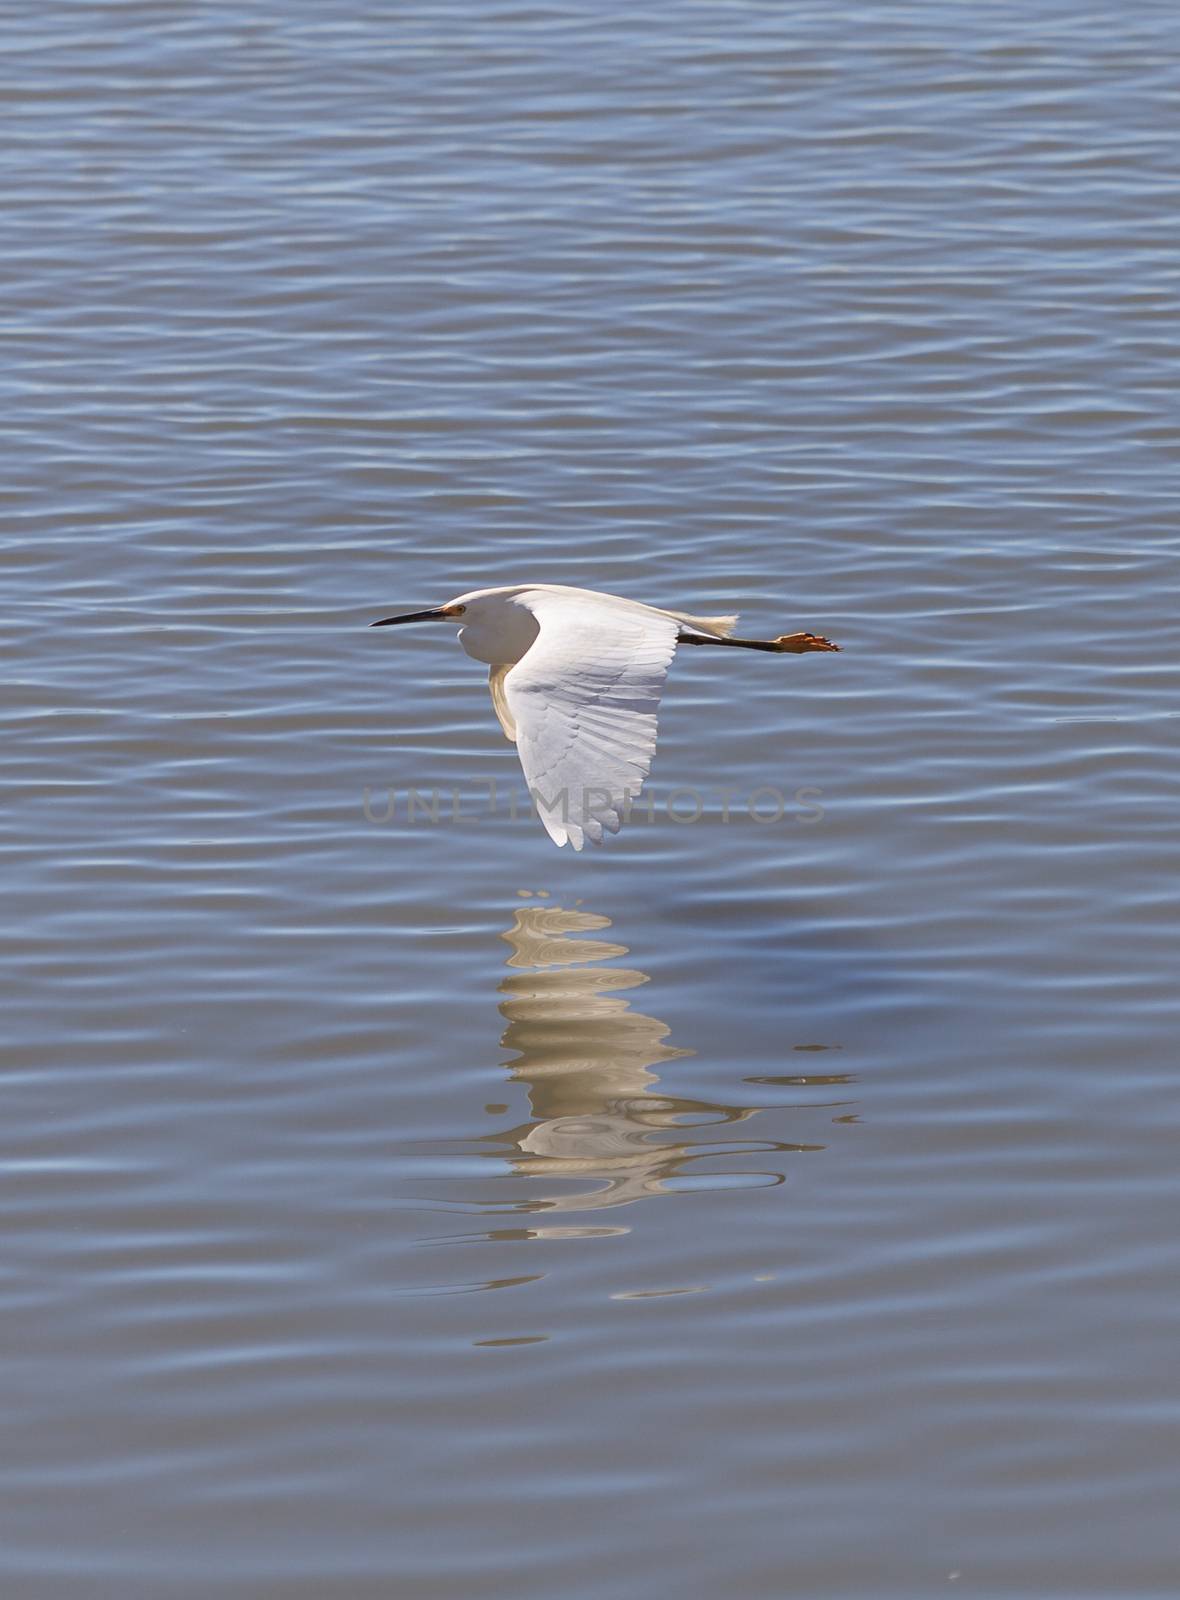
x=798 y=643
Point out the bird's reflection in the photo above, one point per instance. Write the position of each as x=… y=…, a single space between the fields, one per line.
x=586 y=1059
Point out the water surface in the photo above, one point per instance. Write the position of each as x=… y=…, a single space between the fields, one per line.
x=753 y=1207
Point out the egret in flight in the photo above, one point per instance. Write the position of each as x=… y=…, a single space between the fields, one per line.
x=576 y=678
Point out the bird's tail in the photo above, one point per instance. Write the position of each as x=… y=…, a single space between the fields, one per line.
x=717 y=627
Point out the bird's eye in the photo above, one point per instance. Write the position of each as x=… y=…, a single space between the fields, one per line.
x=459 y=610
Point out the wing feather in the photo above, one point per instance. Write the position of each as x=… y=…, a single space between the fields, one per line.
x=584 y=699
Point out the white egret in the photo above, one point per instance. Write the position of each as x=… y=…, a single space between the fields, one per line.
x=576 y=678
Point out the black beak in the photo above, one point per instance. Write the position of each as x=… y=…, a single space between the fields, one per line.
x=411 y=616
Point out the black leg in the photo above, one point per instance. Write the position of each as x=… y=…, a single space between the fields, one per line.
x=786 y=644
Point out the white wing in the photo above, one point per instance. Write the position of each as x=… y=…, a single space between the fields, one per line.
x=584 y=698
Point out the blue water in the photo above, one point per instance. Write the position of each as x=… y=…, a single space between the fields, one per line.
x=751 y=1207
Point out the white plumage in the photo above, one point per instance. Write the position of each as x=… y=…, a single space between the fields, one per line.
x=576 y=678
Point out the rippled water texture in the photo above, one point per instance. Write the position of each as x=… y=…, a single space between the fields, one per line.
x=754 y=1207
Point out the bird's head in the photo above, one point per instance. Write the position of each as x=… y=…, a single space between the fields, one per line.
x=494 y=626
